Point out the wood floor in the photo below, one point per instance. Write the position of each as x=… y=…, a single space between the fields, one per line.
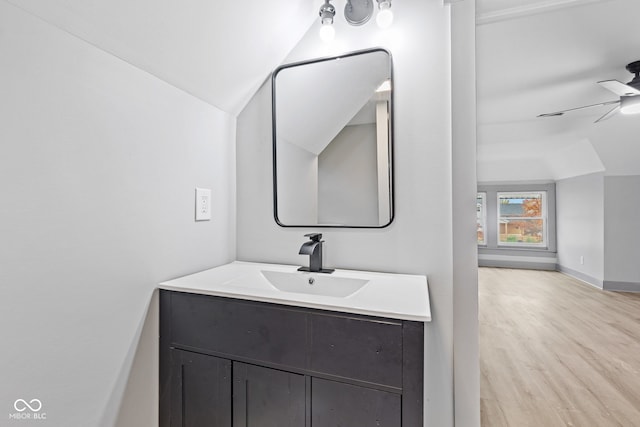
x=557 y=352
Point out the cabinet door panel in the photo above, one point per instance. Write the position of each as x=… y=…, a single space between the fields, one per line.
x=336 y=404
x=201 y=390
x=265 y=397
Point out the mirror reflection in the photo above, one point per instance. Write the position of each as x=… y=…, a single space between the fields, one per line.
x=332 y=133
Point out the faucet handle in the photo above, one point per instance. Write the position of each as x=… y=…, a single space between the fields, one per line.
x=315 y=237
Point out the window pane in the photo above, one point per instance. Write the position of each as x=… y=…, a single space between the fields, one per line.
x=481 y=218
x=519 y=205
x=522 y=217
x=522 y=231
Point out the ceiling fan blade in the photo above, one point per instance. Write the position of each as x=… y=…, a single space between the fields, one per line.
x=609 y=114
x=561 y=112
x=619 y=88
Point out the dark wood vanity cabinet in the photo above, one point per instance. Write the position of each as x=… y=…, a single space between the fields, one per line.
x=234 y=363
x=264 y=397
x=200 y=390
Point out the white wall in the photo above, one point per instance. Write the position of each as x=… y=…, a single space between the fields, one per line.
x=420 y=239
x=348 y=178
x=297 y=185
x=622 y=231
x=98 y=164
x=219 y=51
x=466 y=363
x=580 y=226
x=597 y=220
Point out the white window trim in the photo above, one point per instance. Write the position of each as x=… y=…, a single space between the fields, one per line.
x=483 y=196
x=544 y=217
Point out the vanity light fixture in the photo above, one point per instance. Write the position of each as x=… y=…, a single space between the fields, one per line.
x=327 y=12
x=356 y=12
x=385 y=15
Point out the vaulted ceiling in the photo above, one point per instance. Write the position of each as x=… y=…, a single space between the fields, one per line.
x=534 y=56
x=541 y=56
x=219 y=51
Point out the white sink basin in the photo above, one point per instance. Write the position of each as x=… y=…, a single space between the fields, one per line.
x=390 y=295
x=313 y=283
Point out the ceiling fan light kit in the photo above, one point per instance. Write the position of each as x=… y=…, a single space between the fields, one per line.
x=629 y=96
x=630 y=105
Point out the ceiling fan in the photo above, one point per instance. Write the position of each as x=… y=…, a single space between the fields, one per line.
x=629 y=102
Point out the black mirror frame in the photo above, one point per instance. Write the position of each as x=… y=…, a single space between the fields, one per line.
x=390 y=143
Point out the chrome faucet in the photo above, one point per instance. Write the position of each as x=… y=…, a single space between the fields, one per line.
x=313 y=248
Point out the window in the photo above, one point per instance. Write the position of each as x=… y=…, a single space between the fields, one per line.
x=481 y=218
x=522 y=219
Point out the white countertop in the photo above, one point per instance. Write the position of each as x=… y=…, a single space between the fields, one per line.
x=396 y=296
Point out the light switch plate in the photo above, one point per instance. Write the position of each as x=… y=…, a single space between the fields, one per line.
x=203 y=204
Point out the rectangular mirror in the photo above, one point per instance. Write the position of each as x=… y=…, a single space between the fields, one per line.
x=332 y=141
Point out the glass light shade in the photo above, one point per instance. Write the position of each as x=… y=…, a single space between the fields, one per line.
x=384 y=19
x=327 y=33
x=630 y=105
